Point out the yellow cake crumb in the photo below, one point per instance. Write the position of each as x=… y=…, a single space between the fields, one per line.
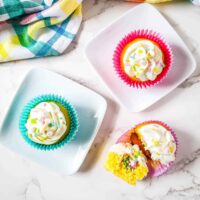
x=115 y=165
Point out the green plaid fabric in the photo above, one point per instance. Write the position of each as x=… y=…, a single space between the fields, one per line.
x=36 y=28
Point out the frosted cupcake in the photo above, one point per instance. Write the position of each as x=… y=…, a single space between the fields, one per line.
x=159 y=145
x=48 y=121
x=142 y=58
x=127 y=162
x=156 y=143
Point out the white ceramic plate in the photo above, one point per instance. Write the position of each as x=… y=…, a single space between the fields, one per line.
x=90 y=108
x=100 y=50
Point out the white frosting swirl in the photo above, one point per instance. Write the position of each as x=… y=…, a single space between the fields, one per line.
x=143 y=60
x=46 y=123
x=159 y=141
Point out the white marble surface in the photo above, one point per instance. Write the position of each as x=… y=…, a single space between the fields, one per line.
x=21 y=179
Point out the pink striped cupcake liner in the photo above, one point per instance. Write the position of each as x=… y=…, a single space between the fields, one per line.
x=142 y=34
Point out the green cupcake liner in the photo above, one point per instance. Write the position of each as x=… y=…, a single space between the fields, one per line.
x=74 y=123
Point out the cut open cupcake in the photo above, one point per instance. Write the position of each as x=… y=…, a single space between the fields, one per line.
x=156 y=142
x=159 y=144
x=127 y=162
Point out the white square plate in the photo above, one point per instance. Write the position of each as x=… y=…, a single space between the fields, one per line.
x=90 y=108
x=100 y=50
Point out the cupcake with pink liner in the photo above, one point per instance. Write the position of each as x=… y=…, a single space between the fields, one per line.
x=142 y=58
x=158 y=143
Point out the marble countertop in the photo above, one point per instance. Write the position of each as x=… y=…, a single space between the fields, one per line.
x=21 y=179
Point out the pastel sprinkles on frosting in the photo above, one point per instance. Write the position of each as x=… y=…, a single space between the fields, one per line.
x=159 y=141
x=46 y=123
x=127 y=162
x=143 y=60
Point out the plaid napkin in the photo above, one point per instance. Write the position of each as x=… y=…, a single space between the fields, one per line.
x=37 y=28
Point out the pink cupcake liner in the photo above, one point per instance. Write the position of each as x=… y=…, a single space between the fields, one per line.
x=159 y=169
x=142 y=34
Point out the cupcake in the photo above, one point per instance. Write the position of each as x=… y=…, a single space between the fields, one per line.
x=157 y=144
x=48 y=122
x=142 y=58
x=127 y=162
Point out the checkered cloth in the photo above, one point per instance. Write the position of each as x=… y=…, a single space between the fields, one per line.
x=37 y=28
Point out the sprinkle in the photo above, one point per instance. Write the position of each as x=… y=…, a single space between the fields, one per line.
x=35 y=130
x=133 y=68
x=171 y=149
x=156 y=142
x=155 y=70
x=127 y=65
x=33 y=121
x=113 y=164
x=50 y=125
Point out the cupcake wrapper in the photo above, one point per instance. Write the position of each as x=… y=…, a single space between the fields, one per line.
x=161 y=169
x=158 y=169
x=143 y=34
x=74 y=124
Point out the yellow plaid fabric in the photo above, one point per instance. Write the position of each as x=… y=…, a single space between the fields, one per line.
x=37 y=28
